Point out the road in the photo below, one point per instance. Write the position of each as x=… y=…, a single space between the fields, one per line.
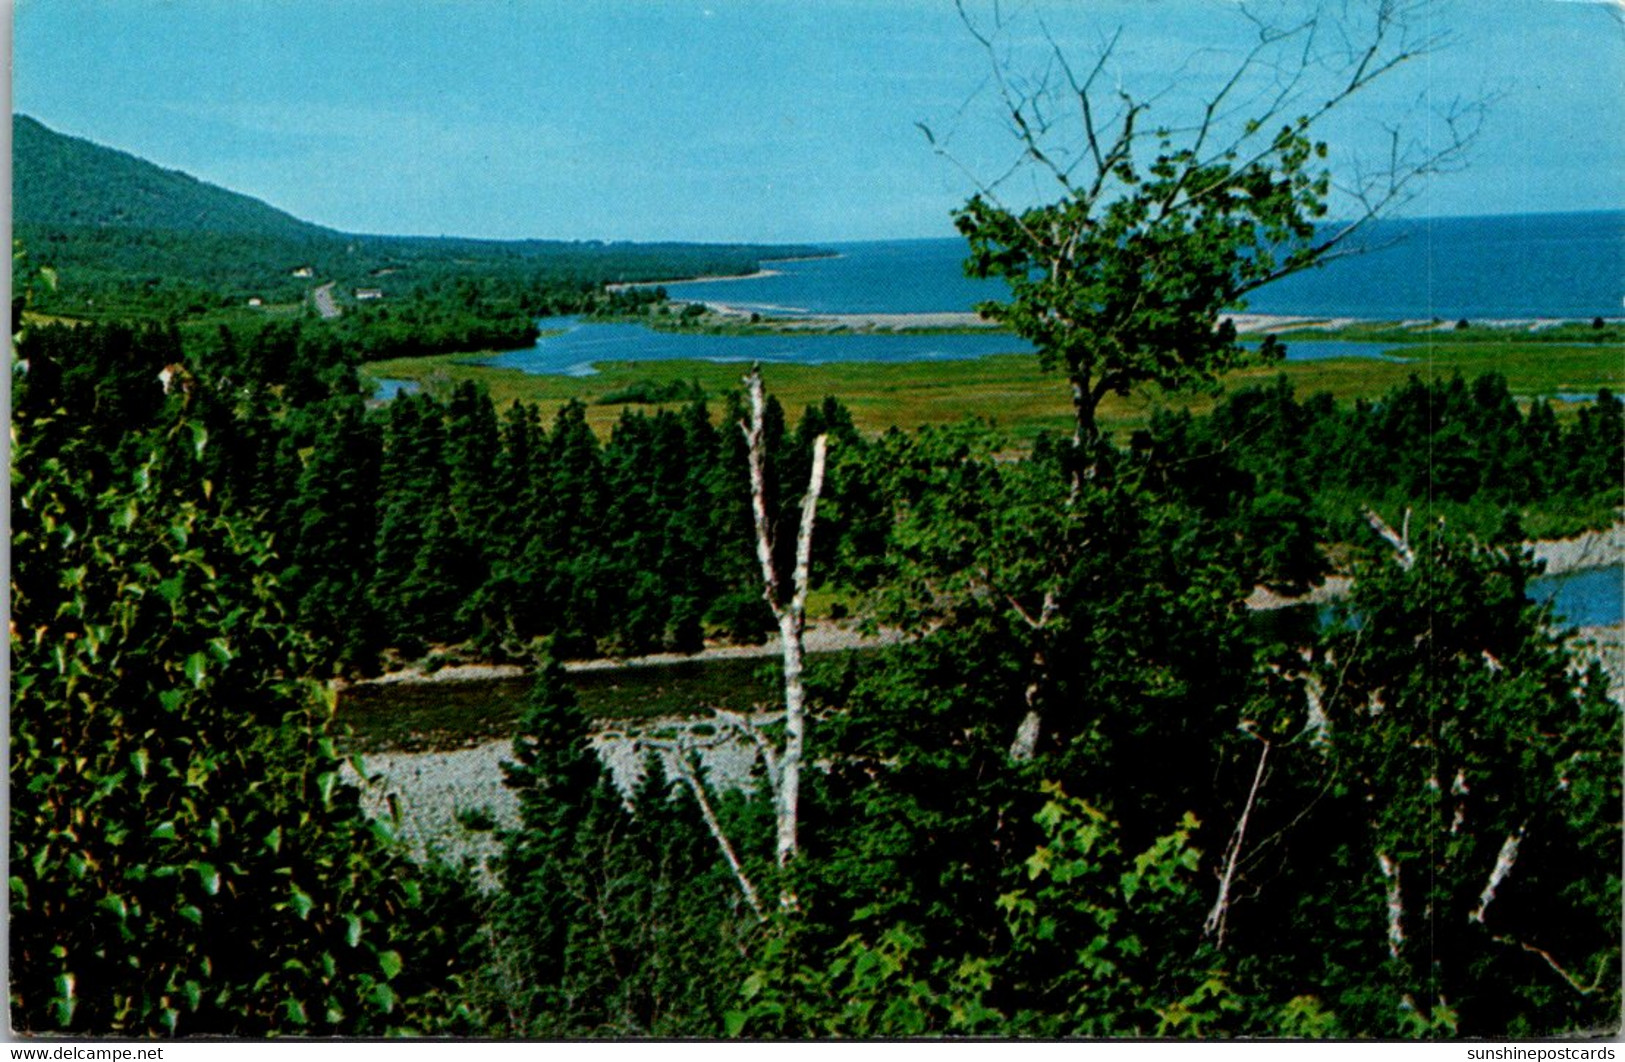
x=323 y=298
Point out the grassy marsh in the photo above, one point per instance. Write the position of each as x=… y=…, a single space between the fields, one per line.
x=1012 y=391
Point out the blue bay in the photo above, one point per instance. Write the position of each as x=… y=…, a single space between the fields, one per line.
x=1505 y=267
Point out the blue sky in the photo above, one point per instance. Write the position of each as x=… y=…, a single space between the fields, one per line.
x=771 y=120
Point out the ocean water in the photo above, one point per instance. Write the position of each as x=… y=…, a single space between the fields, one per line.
x=1505 y=267
x=1491 y=268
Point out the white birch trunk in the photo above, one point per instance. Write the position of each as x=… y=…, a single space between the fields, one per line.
x=791 y=615
x=1504 y=859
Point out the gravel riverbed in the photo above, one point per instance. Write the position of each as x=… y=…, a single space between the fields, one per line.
x=435 y=790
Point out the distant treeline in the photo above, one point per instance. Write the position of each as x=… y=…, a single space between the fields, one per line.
x=116 y=273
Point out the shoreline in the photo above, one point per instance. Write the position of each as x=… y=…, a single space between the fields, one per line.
x=1245 y=323
x=1589 y=549
x=760 y=274
x=433 y=789
x=821 y=637
x=1561 y=556
x=803 y=321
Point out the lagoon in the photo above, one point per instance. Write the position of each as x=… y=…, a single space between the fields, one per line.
x=570 y=347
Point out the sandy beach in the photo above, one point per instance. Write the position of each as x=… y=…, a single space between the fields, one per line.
x=1246 y=323
x=1588 y=550
x=758 y=275
x=1266 y=323
x=873 y=322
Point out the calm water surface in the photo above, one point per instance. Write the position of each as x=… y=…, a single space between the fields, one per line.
x=1587 y=597
x=578 y=345
x=1512 y=266
x=571 y=347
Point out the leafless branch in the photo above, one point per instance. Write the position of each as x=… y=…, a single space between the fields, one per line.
x=738 y=724
x=1214 y=926
x=1557 y=967
x=1400 y=540
x=1396 y=904
x=690 y=777
x=1504 y=859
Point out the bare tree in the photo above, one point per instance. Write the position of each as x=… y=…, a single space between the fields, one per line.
x=782 y=762
x=1160 y=223
x=790 y=611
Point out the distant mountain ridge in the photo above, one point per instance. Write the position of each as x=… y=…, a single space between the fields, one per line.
x=127 y=239
x=64 y=181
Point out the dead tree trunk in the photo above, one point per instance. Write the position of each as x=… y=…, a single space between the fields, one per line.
x=790 y=613
x=1219 y=915
x=691 y=778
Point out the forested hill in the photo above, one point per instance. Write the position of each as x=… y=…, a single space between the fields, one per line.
x=61 y=180
x=132 y=240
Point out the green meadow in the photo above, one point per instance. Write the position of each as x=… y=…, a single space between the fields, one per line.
x=1014 y=393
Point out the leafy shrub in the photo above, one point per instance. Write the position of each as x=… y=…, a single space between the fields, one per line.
x=185 y=859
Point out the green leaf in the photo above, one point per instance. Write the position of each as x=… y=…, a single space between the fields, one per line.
x=64 y=1003
x=352 y=930
x=191 y=914
x=300 y=901
x=390 y=963
x=197 y=667
x=208 y=875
